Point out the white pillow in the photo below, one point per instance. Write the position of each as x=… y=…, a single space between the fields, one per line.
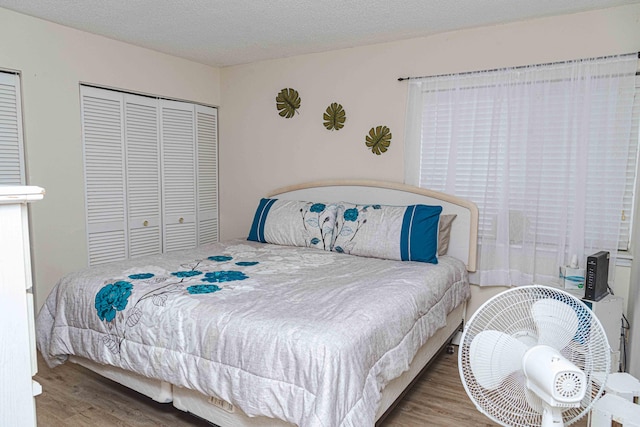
x=407 y=233
x=294 y=223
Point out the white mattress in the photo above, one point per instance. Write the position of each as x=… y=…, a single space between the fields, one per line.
x=306 y=336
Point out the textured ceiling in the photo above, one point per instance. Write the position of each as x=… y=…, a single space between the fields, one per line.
x=229 y=32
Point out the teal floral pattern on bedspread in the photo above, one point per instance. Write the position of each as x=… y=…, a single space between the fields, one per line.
x=113 y=305
x=112 y=298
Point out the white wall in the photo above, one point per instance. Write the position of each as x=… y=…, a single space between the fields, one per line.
x=53 y=60
x=260 y=151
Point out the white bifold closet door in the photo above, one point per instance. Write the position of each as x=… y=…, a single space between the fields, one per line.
x=207 y=157
x=178 y=175
x=142 y=123
x=189 y=174
x=104 y=172
x=151 y=174
x=11 y=151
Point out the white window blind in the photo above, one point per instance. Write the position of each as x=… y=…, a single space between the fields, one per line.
x=11 y=139
x=548 y=153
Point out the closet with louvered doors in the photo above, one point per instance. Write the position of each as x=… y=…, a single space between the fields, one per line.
x=150 y=174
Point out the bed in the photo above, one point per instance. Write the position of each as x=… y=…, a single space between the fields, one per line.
x=328 y=327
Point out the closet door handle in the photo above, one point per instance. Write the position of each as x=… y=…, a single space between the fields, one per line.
x=181 y=220
x=146 y=223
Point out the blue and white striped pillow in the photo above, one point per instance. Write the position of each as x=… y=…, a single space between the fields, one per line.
x=406 y=233
x=294 y=223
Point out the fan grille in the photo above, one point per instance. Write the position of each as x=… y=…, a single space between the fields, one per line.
x=568 y=385
x=511 y=403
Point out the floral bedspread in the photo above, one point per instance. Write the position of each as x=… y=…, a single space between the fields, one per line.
x=300 y=334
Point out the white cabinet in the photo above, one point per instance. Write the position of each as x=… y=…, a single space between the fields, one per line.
x=609 y=312
x=151 y=174
x=17 y=337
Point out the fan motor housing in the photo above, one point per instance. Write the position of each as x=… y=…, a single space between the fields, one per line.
x=552 y=377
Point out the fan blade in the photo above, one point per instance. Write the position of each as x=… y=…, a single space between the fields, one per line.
x=556 y=321
x=493 y=356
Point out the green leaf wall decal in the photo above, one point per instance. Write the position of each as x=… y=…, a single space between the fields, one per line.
x=334 y=117
x=287 y=102
x=379 y=139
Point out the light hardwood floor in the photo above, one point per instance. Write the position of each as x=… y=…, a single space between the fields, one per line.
x=74 y=396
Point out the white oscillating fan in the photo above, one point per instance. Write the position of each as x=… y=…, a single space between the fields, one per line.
x=534 y=356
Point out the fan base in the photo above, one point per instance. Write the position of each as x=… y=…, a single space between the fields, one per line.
x=551 y=417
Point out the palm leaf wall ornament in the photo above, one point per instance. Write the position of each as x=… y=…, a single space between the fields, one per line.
x=287 y=102
x=379 y=139
x=334 y=117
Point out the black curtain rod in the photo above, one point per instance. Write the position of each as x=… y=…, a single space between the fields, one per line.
x=400 y=79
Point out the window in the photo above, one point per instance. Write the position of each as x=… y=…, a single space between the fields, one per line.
x=548 y=153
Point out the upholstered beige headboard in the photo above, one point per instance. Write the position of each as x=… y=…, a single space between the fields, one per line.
x=464 y=232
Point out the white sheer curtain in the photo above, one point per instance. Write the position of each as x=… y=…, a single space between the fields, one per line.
x=544 y=151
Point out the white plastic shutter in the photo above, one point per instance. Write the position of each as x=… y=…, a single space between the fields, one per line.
x=11 y=150
x=177 y=136
x=207 y=173
x=105 y=188
x=143 y=174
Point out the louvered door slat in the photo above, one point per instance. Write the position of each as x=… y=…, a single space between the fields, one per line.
x=102 y=136
x=180 y=236
x=178 y=175
x=143 y=175
x=106 y=246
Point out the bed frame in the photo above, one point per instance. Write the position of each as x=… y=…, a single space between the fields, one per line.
x=463 y=245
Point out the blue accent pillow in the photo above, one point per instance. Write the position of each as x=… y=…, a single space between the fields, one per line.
x=406 y=233
x=294 y=223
